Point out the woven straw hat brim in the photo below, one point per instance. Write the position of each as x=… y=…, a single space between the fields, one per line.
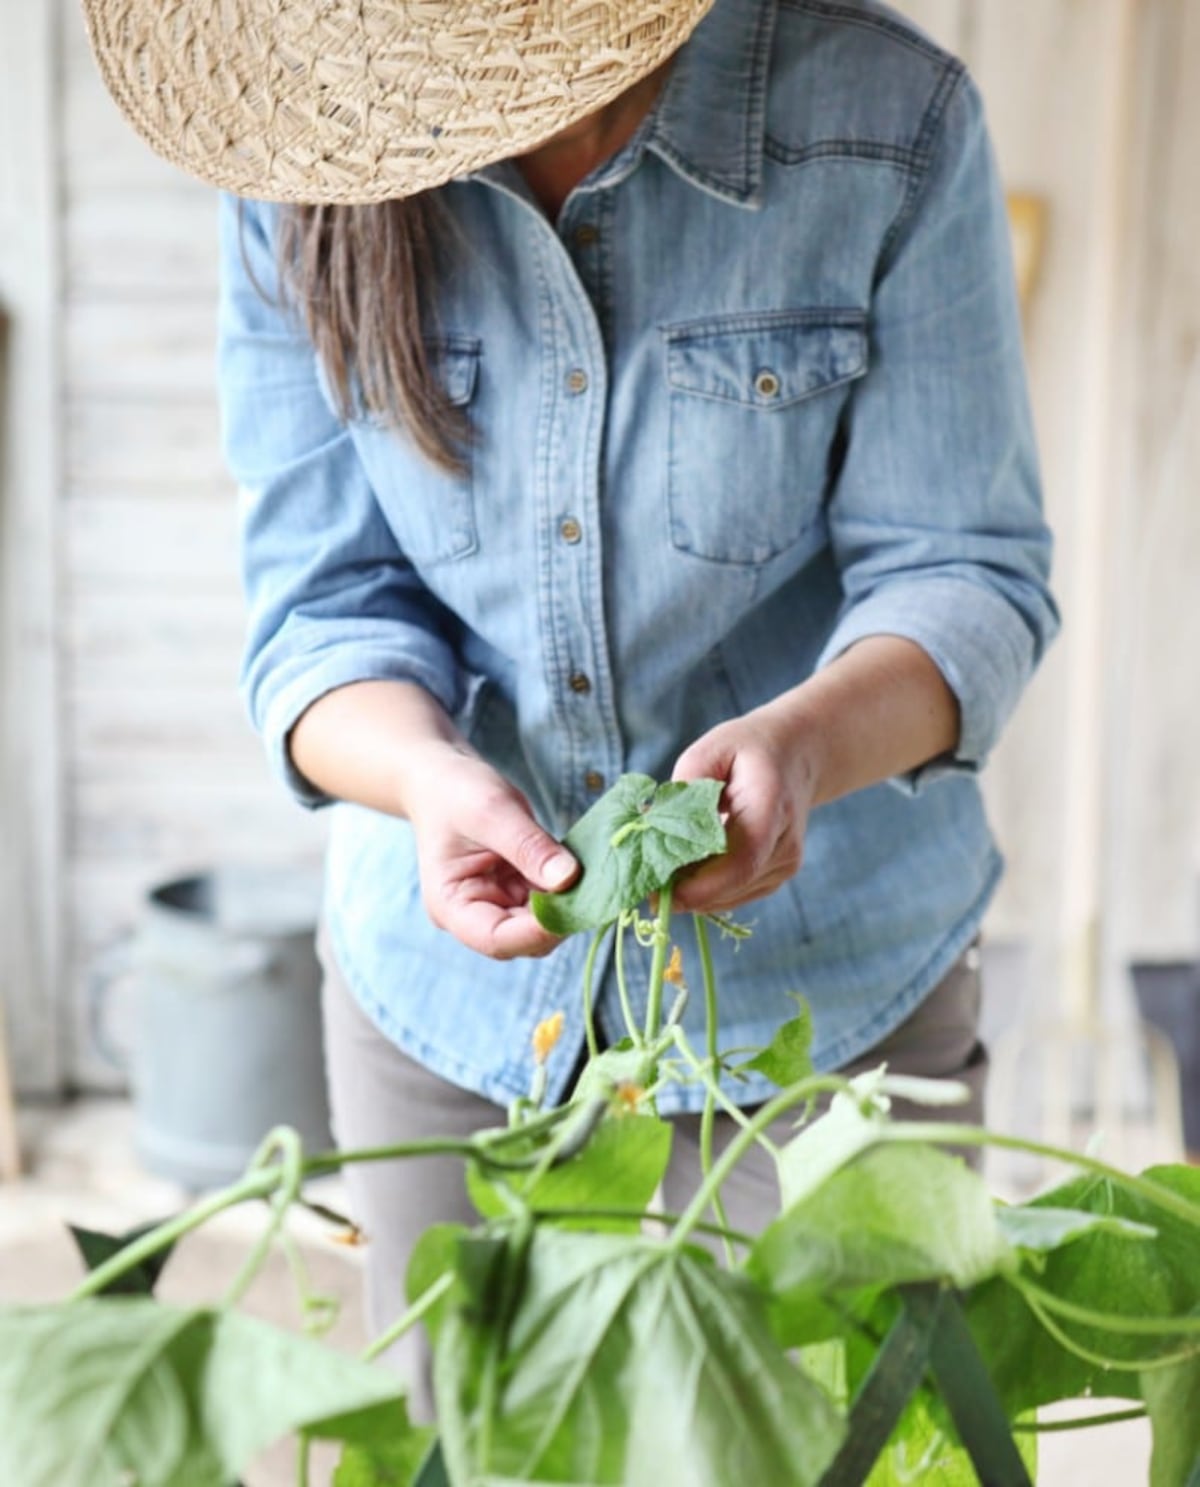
x=354 y=101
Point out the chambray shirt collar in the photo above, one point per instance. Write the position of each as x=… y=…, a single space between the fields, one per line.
x=709 y=122
x=719 y=145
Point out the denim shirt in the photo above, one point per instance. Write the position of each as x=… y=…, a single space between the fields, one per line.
x=757 y=394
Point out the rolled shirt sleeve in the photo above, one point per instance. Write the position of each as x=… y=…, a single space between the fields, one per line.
x=936 y=520
x=332 y=599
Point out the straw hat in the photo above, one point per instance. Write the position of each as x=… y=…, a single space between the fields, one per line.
x=361 y=100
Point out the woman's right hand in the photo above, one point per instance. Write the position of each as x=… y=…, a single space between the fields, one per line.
x=481 y=852
x=390 y=746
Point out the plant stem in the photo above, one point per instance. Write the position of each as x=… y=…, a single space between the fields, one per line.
x=638 y=1215
x=1099 y=1360
x=427 y=1300
x=263 y=1182
x=658 y=964
x=1082 y=1422
x=1112 y=1321
x=477 y=1150
x=254 y=1185
x=946 y=1134
x=789 y=1098
x=631 y=1026
x=291 y=1174
x=589 y=971
x=303 y=1459
x=714 y=1086
x=318 y=1312
x=700 y=1068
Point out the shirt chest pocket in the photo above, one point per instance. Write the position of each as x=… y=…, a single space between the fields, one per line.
x=755 y=402
x=431 y=511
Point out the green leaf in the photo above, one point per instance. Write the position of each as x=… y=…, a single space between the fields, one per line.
x=628 y=1363
x=630 y=844
x=921 y=1453
x=96 y=1389
x=827 y=1145
x=623 y=1063
x=435 y=1253
x=1040 y=1230
x=1109 y=1270
x=620 y=1167
x=787 y=1057
x=898 y=1215
x=1172 y=1396
x=97 y=1247
x=394 y=1462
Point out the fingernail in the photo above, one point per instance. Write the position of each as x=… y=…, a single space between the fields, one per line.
x=559 y=869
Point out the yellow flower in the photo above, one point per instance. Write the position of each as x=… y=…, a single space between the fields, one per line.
x=546 y=1035
x=674 y=970
x=627 y=1097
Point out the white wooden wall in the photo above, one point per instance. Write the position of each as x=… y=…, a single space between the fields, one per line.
x=162 y=772
x=1153 y=722
x=31 y=938
x=153 y=770
x=1096 y=791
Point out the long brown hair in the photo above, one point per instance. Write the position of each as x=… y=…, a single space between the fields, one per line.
x=362 y=277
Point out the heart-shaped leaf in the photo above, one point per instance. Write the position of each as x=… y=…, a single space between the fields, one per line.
x=95 y=1393
x=630 y=1364
x=630 y=844
x=620 y=1167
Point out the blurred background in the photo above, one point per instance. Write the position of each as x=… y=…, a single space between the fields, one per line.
x=125 y=760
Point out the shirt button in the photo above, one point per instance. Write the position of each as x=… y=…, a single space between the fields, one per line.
x=581 y=684
x=570 y=530
x=767 y=384
x=594 y=780
x=577 y=380
x=586 y=235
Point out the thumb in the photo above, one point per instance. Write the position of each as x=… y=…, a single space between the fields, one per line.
x=508 y=829
x=709 y=758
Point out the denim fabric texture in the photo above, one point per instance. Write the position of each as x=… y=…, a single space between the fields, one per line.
x=757 y=394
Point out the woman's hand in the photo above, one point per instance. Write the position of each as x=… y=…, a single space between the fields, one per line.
x=770 y=783
x=881 y=708
x=481 y=853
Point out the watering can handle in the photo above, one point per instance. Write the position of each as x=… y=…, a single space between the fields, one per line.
x=111 y=964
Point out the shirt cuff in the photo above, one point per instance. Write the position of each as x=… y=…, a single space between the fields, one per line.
x=307 y=679
x=978 y=642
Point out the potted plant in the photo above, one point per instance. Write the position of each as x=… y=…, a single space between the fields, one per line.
x=892 y=1324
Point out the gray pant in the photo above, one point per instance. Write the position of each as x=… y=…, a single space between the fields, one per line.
x=380 y=1096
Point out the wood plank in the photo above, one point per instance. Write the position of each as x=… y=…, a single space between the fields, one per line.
x=144 y=543
x=31 y=941
x=118 y=442
x=141 y=243
x=943 y=20
x=175 y=448
x=141 y=349
x=100 y=150
x=1041 y=66
x=185 y=725
x=180 y=819
x=142 y=640
x=1154 y=862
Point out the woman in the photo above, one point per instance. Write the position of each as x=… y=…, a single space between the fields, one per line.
x=677 y=425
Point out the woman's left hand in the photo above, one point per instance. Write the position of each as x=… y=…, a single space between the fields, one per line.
x=770 y=785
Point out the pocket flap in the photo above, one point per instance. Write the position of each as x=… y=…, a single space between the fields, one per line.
x=767 y=361
x=455 y=363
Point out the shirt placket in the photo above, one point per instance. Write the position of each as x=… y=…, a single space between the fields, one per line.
x=570 y=506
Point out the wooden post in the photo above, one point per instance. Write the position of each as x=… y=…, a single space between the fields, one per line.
x=30 y=437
